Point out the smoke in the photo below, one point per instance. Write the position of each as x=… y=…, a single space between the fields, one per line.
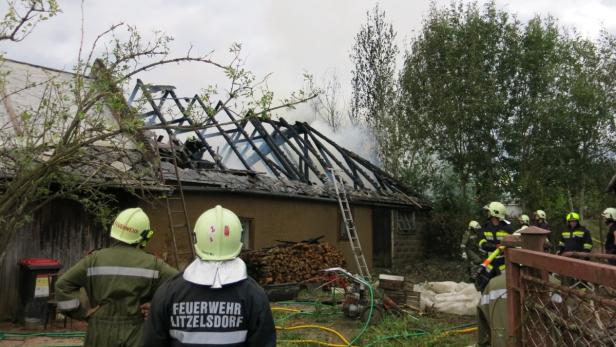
x=355 y=138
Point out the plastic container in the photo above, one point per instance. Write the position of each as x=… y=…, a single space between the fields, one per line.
x=36 y=287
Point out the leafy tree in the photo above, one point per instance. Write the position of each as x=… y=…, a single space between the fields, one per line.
x=373 y=86
x=327 y=104
x=374 y=65
x=456 y=82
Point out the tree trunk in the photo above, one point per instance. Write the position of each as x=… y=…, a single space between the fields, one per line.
x=570 y=199
x=582 y=196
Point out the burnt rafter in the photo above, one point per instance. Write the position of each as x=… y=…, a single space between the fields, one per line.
x=225 y=140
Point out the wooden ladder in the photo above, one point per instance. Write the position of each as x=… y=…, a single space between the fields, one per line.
x=177 y=214
x=349 y=225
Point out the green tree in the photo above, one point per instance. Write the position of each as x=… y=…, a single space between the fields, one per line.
x=374 y=68
x=456 y=80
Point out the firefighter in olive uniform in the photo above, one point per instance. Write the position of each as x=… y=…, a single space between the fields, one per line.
x=609 y=217
x=470 y=252
x=493 y=232
x=119 y=281
x=576 y=238
x=213 y=302
x=492 y=313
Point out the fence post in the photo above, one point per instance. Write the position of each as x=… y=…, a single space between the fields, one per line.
x=514 y=302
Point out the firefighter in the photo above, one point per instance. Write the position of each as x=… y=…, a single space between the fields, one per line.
x=609 y=217
x=492 y=233
x=119 y=282
x=576 y=238
x=470 y=253
x=213 y=302
x=492 y=313
x=524 y=222
x=541 y=220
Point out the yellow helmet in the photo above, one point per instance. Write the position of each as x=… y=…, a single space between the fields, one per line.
x=573 y=216
x=524 y=219
x=131 y=226
x=496 y=209
x=218 y=234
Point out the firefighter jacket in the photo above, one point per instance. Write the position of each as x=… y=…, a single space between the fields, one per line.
x=576 y=239
x=117 y=280
x=542 y=225
x=492 y=314
x=470 y=247
x=610 y=248
x=186 y=311
x=491 y=237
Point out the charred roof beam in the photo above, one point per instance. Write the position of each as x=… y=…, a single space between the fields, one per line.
x=308 y=148
x=222 y=133
x=186 y=117
x=270 y=165
x=293 y=173
x=322 y=148
x=304 y=157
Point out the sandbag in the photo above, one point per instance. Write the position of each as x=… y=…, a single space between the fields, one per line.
x=448 y=297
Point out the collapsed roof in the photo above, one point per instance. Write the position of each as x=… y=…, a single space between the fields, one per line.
x=220 y=149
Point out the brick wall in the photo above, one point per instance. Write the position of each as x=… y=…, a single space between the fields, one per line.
x=407 y=246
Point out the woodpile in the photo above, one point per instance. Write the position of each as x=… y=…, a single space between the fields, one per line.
x=292 y=262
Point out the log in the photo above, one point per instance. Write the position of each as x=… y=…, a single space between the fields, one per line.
x=292 y=262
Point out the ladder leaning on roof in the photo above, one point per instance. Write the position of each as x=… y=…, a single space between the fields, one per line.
x=176 y=206
x=349 y=225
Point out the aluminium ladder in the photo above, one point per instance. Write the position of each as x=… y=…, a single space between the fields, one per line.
x=176 y=206
x=349 y=225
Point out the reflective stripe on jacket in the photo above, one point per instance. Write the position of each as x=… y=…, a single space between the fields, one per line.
x=119 y=280
x=492 y=313
x=577 y=239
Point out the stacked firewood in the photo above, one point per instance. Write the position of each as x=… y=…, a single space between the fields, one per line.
x=292 y=262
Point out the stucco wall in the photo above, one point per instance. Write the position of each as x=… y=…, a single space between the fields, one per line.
x=272 y=219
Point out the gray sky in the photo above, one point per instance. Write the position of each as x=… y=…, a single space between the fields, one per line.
x=284 y=37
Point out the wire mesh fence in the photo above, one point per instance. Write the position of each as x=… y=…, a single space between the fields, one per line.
x=570 y=313
x=561 y=301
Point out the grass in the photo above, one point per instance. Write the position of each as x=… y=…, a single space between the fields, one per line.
x=390 y=331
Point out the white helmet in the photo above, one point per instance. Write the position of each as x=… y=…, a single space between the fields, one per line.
x=218 y=234
x=609 y=213
x=474 y=225
x=540 y=214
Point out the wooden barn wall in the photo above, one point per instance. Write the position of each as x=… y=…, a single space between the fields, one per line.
x=272 y=219
x=63 y=231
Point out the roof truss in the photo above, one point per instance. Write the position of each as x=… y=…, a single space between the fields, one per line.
x=225 y=140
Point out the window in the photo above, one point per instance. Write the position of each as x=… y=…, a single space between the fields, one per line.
x=406 y=222
x=246 y=232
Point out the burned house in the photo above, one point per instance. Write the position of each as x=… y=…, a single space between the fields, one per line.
x=276 y=175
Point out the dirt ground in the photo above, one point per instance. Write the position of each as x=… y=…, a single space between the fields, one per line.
x=12 y=335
